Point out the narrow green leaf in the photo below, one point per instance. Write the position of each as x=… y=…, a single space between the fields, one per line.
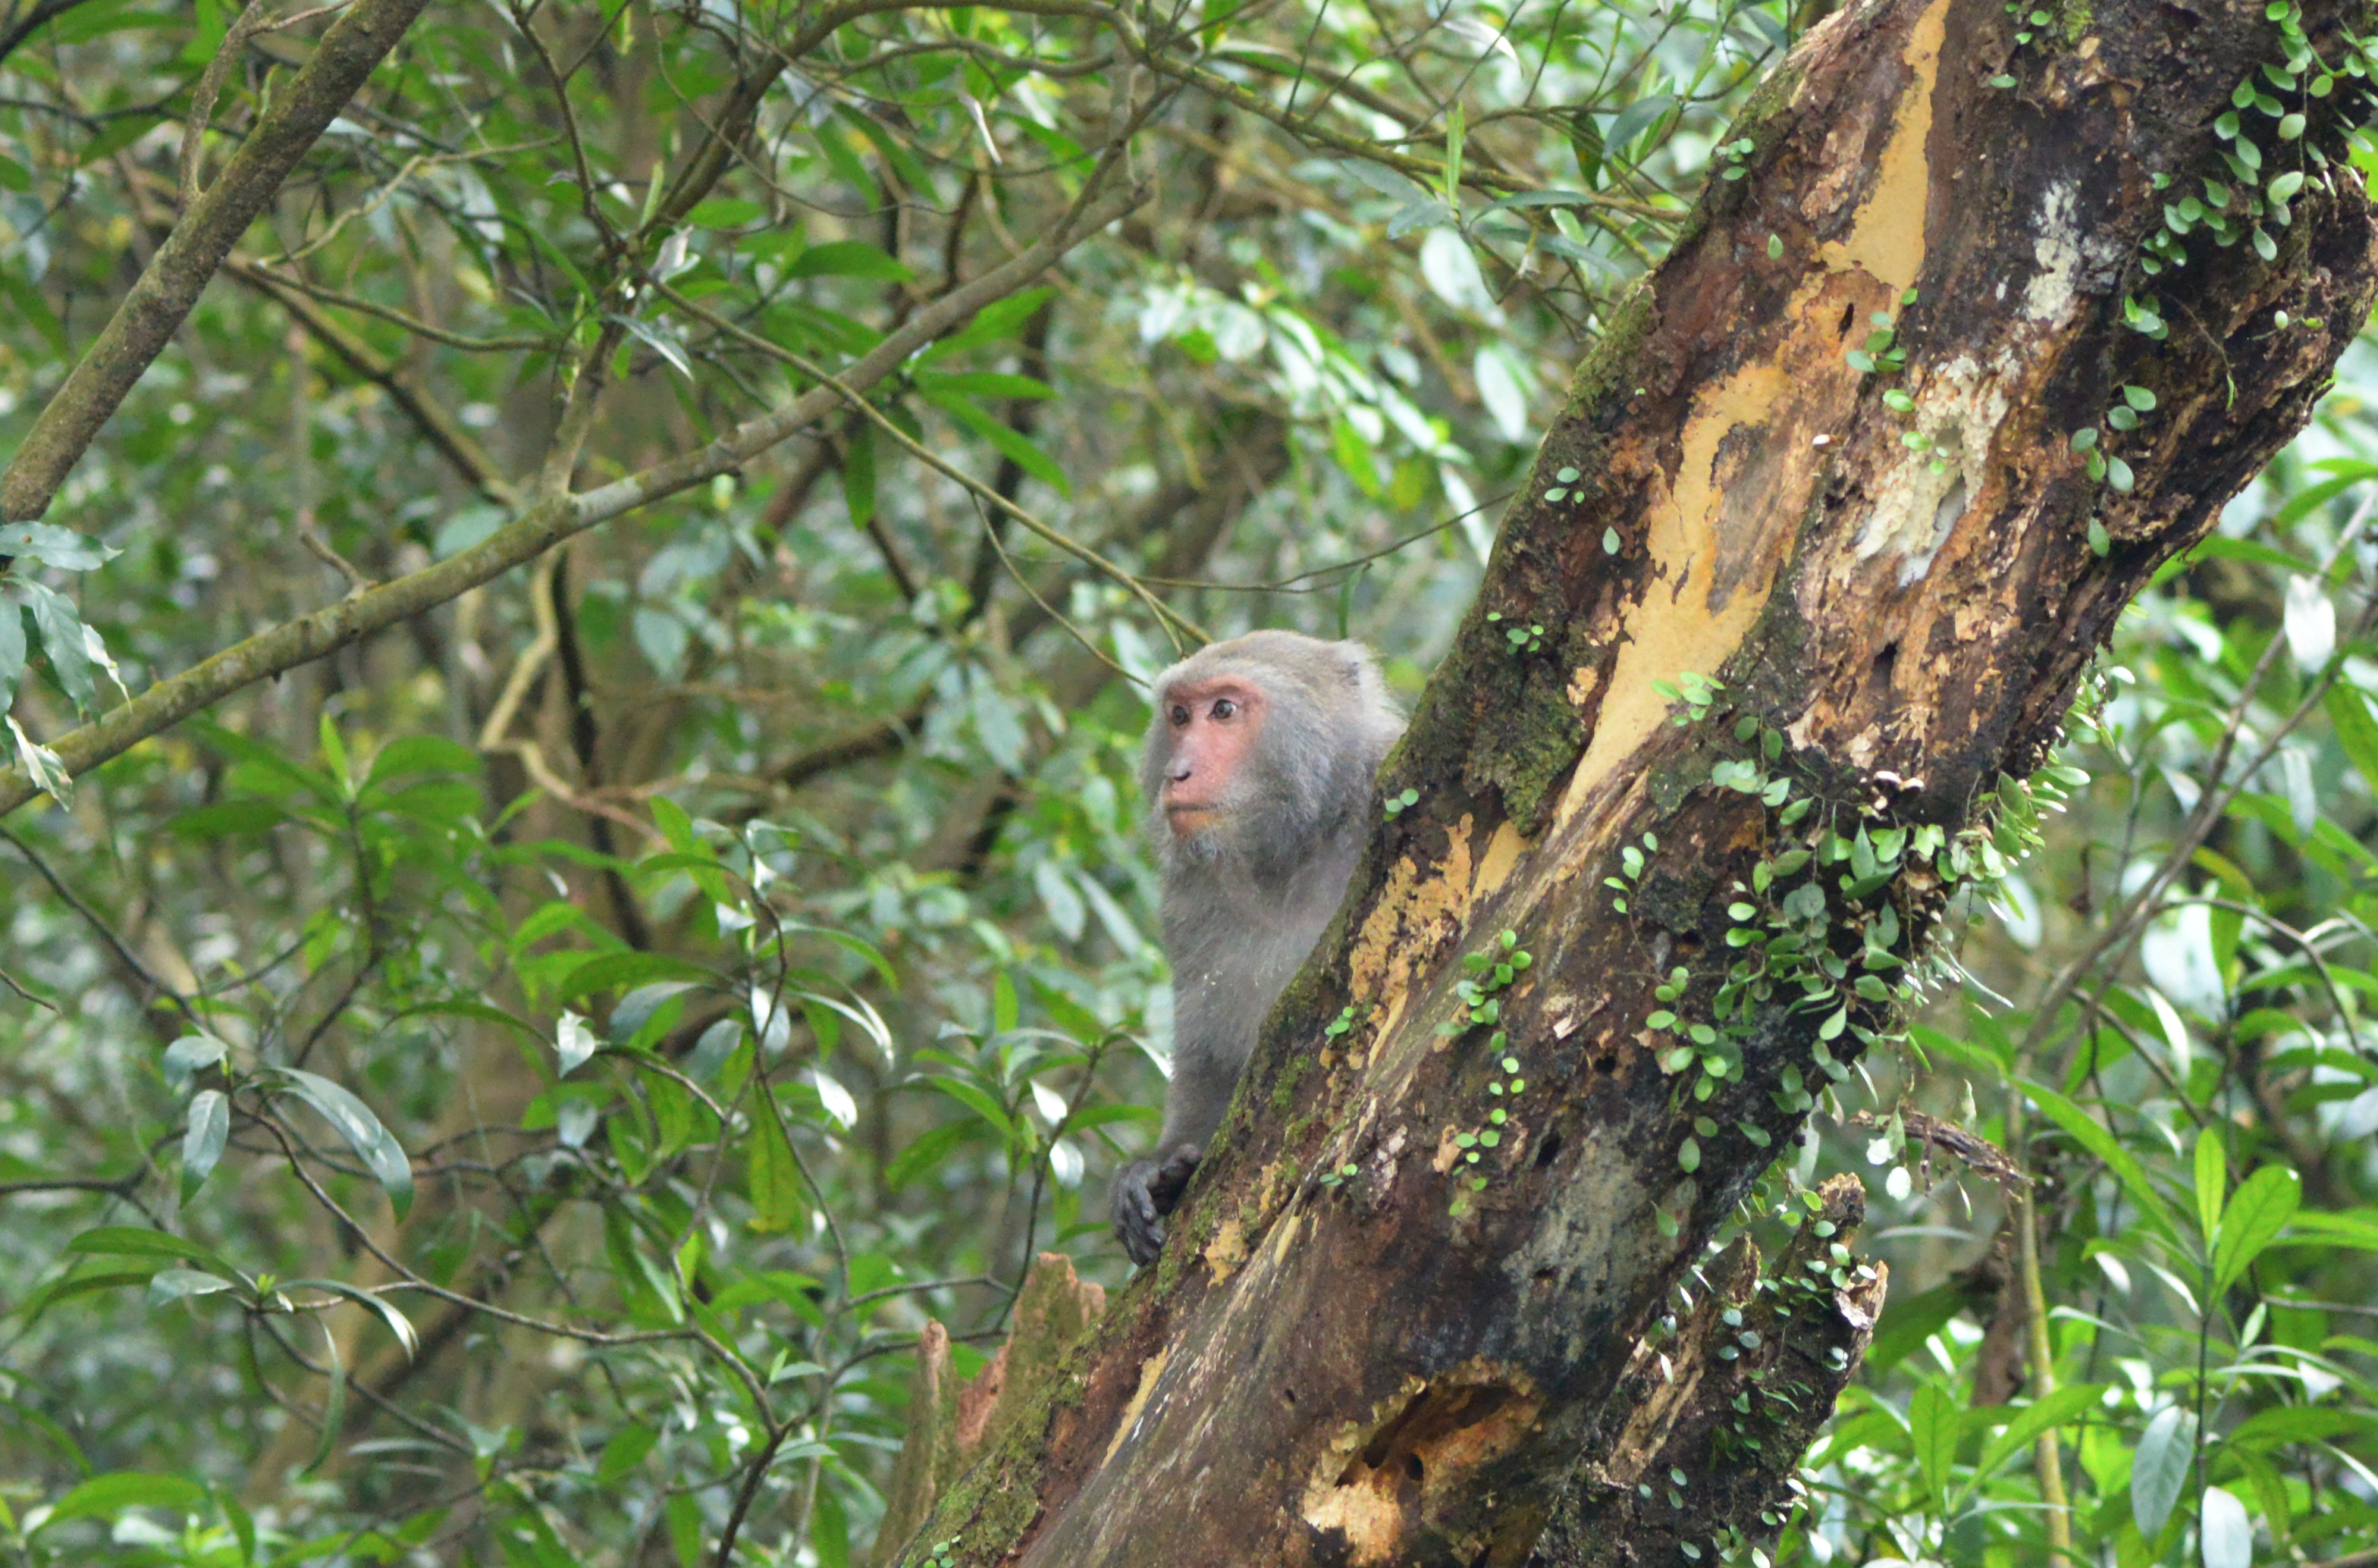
x=1932 y=1424
x=12 y=649
x=398 y=1324
x=33 y=308
x=859 y=472
x=334 y=1402
x=645 y=1288
x=1003 y=439
x=2357 y=731
x=684 y=1515
x=925 y=1154
x=136 y=1242
x=982 y=1104
x=2263 y=1204
x=60 y=624
x=167 y=1285
x=2175 y=1035
x=848 y=258
x=112 y=1493
x=2086 y=1130
x=354 y=1121
x=2056 y=1409
x=724 y=212
x=988 y=384
x=1907 y=1324
x=778 y=1195
x=623 y=1453
x=2212 y=1180
x=2160 y=1469
x=59 y=1290
x=202 y=1145
x=618 y=971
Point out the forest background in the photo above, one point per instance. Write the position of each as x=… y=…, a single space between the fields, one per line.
x=514 y=1090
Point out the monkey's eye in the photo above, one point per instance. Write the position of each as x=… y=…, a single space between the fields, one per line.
x=1180 y=715
x=1224 y=708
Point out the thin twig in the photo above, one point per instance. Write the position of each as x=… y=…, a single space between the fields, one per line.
x=91 y=917
x=1165 y=614
x=512 y=344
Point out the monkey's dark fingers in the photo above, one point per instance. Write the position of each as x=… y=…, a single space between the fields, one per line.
x=1142 y=1243
x=1168 y=1181
x=1140 y=1232
x=1135 y=1211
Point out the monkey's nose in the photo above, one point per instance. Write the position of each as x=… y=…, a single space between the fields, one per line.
x=1180 y=773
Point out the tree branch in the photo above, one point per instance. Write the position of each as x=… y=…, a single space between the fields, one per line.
x=41 y=15
x=549 y=521
x=171 y=283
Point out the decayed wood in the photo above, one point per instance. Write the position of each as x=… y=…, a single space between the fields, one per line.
x=950 y=1423
x=1388 y=1366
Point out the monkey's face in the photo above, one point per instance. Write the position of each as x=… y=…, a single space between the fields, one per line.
x=1202 y=746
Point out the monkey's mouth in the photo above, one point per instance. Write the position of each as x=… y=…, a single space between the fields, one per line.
x=1185 y=814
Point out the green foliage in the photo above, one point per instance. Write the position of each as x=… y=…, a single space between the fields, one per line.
x=2197 y=1095
x=615 y=1010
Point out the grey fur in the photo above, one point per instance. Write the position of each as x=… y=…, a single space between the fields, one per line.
x=1245 y=902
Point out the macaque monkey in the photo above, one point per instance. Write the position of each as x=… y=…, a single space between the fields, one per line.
x=1258 y=772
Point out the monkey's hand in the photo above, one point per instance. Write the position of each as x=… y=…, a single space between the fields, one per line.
x=1144 y=1194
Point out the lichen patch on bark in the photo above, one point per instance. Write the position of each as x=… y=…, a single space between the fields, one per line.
x=1150 y=1371
x=2055 y=289
x=1749 y=460
x=1412 y=914
x=1227 y=1249
x=1917 y=504
x=1284 y=1237
x=1502 y=851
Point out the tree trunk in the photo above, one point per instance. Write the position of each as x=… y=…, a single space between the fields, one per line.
x=1826 y=455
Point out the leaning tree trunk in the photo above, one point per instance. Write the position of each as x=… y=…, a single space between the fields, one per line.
x=1863 y=450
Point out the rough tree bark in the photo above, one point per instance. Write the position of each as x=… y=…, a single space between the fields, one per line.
x=1365 y=1345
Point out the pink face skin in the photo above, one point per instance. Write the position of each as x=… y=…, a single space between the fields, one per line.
x=1213 y=724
